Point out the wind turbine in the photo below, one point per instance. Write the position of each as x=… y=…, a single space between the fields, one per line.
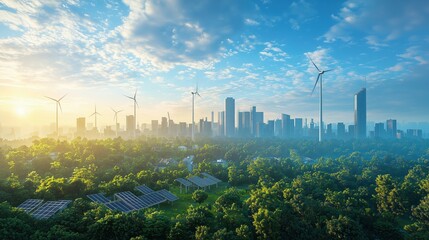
x=58 y=103
x=135 y=104
x=115 y=118
x=193 y=112
x=319 y=75
x=95 y=116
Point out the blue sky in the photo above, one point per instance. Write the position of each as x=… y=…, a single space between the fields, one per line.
x=254 y=51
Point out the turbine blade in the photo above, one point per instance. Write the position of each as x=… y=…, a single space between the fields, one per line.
x=135 y=94
x=128 y=97
x=91 y=115
x=329 y=70
x=315 y=84
x=62 y=97
x=51 y=98
x=313 y=63
x=198 y=94
x=59 y=104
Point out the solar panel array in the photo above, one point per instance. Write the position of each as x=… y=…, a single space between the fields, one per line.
x=98 y=198
x=152 y=199
x=201 y=182
x=211 y=177
x=184 y=182
x=168 y=195
x=144 y=189
x=49 y=208
x=131 y=200
x=119 y=205
x=30 y=204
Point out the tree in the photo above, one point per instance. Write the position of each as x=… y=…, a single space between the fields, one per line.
x=202 y=233
x=421 y=212
x=387 y=196
x=199 y=196
x=344 y=228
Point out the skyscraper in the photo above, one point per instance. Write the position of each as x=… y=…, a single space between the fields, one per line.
x=360 y=114
x=130 y=126
x=80 y=126
x=229 y=117
x=391 y=128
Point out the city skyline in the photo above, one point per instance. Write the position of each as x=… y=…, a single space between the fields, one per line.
x=96 y=54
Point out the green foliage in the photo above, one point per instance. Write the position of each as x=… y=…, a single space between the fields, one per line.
x=199 y=196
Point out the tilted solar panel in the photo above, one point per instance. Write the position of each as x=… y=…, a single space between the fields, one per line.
x=119 y=206
x=144 y=189
x=152 y=198
x=98 y=198
x=184 y=182
x=211 y=177
x=131 y=200
x=209 y=181
x=49 y=208
x=168 y=195
x=30 y=204
x=198 y=181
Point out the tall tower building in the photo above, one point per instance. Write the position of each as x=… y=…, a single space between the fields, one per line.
x=391 y=128
x=80 y=126
x=130 y=126
x=360 y=114
x=229 y=117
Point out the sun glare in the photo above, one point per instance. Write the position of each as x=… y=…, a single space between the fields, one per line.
x=21 y=111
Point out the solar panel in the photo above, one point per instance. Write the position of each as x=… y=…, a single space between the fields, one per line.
x=119 y=206
x=183 y=181
x=144 y=189
x=131 y=200
x=168 y=195
x=211 y=177
x=98 y=198
x=30 y=204
x=208 y=181
x=153 y=198
x=49 y=208
x=198 y=181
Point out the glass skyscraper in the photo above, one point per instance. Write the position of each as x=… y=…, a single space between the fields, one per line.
x=360 y=114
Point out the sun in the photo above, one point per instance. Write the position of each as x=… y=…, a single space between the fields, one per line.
x=21 y=111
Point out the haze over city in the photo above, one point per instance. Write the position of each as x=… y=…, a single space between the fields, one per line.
x=254 y=51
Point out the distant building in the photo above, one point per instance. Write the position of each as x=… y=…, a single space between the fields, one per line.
x=360 y=114
x=352 y=131
x=244 y=124
x=221 y=123
x=155 y=127
x=379 y=130
x=414 y=133
x=229 y=117
x=278 y=128
x=341 y=130
x=269 y=129
x=80 y=126
x=298 y=128
x=391 y=128
x=130 y=124
x=255 y=119
x=287 y=125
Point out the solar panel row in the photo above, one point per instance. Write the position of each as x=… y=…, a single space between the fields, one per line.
x=152 y=199
x=183 y=181
x=211 y=177
x=98 y=198
x=201 y=182
x=30 y=204
x=119 y=205
x=49 y=208
x=168 y=195
x=144 y=189
x=131 y=200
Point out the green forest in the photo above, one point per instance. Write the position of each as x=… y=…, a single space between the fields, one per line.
x=271 y=189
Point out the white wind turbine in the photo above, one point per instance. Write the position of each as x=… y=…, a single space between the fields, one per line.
x=95 y=116
x=115 y=118
x=135 y=105
x=319 y=76
x=193 y=112
x=58 y=103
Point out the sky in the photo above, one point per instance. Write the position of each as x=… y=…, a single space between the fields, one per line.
x=253 y=50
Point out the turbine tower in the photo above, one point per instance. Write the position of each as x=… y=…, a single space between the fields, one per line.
x=95 y=116
x=319 y=76
x=58 y=103
x=193 y=112
x=135 y=105
x=115 y=118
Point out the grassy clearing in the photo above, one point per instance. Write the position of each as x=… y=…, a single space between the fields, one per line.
x=185 y=199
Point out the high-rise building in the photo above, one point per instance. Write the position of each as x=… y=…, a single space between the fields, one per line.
x=155 y=127
x=130 y=126
x=287 y=126
x=329 y=133
x=341 y=130
x=229 y=117
x=298 y=128
x=80 y=126
x=278 y=128
x=360 y=114
x=379 y=130
x=269 y=129
x=391 y=128
x=244 y=124
x=221 y=123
